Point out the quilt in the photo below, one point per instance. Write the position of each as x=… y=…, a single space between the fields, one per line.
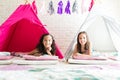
x=60 y=72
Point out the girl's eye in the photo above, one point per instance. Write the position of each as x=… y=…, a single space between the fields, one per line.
x=46 y=40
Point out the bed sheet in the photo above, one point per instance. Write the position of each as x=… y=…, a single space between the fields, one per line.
x=5 y=60
x=91 y=62
x=105 y=53
x=61 y=71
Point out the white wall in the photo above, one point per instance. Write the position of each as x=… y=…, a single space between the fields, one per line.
x=63 y=27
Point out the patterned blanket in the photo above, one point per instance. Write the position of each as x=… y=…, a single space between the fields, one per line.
x=69 y=72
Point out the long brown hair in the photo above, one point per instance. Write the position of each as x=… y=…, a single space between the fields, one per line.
x=41 y=47
x=79 y=45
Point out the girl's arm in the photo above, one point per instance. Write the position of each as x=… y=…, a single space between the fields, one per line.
x=75 y=52
x=89 y=50
x=34 y=52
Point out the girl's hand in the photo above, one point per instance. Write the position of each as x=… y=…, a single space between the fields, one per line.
x=48 y=50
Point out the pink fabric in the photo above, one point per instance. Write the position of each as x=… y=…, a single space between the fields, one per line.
x=85 y=57
x=15 y=67
x=91 y=5
x=30 y=57
x=5 y=57
x=22 y=31
x=25 y=36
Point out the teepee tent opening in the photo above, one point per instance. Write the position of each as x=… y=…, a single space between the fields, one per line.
x=103 y=32
x=22 y=30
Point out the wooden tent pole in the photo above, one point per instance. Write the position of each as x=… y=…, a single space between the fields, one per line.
x=26 y=2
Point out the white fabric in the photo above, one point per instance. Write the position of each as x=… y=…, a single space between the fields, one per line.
x=112 y=26
x=114 y=30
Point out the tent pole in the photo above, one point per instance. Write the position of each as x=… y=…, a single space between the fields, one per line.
x=26 y=2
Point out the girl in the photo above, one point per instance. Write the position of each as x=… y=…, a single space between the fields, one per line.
x=83 y=45
x=46 y=46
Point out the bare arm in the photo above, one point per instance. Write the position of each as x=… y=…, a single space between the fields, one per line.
x=76 y=53
x=34 y=52
x=89 y=50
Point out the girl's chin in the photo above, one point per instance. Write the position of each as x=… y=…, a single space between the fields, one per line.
x=47 y=46
x=82 y=44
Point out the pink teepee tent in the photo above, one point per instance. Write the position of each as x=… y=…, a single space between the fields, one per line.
x=22 y=30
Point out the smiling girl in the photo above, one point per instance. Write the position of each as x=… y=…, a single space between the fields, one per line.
x=83 y=46
x=46 y=46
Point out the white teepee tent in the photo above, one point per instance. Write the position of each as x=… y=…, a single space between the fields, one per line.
x=102 y=29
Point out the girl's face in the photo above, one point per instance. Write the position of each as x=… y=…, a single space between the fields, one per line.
x=82 y=39
x=47 y=41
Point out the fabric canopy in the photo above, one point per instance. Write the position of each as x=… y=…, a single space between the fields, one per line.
x=111 y=25
x=22 y=30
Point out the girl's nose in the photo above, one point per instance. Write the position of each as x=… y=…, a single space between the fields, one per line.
x=47 y=42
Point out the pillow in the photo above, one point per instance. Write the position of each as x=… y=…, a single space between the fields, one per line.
x=5 y=53
x=90 y=62
x=5 y=57
x=30 y=57
x=87 y=57
x=116 y=58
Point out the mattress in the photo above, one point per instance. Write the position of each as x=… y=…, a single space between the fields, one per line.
x=5 y=59
x=4 y=62
x=34 y=62
x=92 y=62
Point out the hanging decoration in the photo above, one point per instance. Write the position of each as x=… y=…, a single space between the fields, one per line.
x=91 y=5
x=43 y=9
x=75 y=7
x=51 y=8
x=83 y=9
x=85 y=6
x=60 y=7
x=67 y=8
